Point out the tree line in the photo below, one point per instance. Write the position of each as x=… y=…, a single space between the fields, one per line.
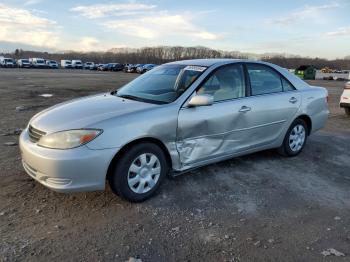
x=164 y=54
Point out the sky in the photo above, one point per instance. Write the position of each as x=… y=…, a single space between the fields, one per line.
x=314 y=28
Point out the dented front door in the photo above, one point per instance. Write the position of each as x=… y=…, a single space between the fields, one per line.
x=206 y=132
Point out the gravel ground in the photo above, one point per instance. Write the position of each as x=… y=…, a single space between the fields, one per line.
x=260 y=207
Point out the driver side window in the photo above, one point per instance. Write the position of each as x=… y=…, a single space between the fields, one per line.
x=226 y=83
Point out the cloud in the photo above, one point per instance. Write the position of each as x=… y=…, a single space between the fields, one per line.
x=308 y=12
x=22 y=26
x=103 y=10
x=89 y=44
x=145 y=21
x=160 y=25
x=32 y=2
x=342 y=31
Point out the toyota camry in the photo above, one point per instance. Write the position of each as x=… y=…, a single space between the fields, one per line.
x=174 y=118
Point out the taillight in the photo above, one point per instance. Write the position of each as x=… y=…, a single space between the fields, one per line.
x=327 y=99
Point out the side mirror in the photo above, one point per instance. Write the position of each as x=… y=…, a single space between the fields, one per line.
x=201 y=100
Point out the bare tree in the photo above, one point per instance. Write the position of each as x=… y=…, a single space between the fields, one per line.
x=163 y=54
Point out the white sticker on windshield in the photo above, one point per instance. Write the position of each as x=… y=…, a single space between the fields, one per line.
x=195 y=68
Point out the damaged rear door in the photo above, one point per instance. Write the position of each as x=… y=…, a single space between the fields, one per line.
x=207 y=132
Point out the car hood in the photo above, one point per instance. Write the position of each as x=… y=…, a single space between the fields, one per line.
x=85 y=112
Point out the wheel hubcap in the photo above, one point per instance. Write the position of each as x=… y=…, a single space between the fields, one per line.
x=297 y=138
x=144 y=173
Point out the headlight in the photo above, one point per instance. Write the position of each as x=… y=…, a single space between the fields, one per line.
x=69 y=139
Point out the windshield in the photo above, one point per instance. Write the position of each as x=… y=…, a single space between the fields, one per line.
x=25 y=61
x=163 y=84
x=39 y=61
x=8 y=60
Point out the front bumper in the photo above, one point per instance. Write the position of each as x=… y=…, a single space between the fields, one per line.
x=72 y=170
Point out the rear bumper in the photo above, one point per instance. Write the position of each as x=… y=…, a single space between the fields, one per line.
x=73 y=170
x=342 y=105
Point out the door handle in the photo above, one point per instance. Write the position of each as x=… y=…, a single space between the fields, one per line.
x=244 y=109
x=293 y=100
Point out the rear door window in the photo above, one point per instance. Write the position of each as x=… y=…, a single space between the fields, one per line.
x=263 y=80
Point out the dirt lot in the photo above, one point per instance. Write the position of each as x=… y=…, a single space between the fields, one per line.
x=261 y=207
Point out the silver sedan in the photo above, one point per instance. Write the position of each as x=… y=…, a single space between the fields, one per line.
x=174 y=118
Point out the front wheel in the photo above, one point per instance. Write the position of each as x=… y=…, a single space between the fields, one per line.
x=347 y=110
x=295 y=138
x=139 y=172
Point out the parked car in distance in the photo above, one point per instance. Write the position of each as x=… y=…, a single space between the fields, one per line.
x=118 y=67
x=133 y=68
x=102 y=67
x=139 y=68
x=345 y=99
x=77 y=64
x=88 y=65
x=52 y=64
x=23 y=63
x=129 y=68
x=94 y=66
x=66 y=64
x=115 y=67
x=37 y=62
x=147 y=67
x=111 y=66
x=126 y=67
x=7 y=62
x=174 y=118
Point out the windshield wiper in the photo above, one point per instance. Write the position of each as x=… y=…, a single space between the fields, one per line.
x=140 y=99
x=131 y=97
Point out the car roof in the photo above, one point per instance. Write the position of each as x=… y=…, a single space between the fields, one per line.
x=296 y=81
x=206 y=62
x=215 y=61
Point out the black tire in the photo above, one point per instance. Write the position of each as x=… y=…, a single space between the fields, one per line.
x=347 y=111
x=285 y=148
x=118 y=179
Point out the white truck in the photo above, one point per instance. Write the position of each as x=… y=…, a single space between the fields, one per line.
x=7 y=62
x=37 y=62
x=52 y=64
x=88 y=65
x=23 y=63
x=77 y=64
x=66 y=63
x=345 y=99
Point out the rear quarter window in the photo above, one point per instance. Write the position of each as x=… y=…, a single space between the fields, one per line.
x=287 y=86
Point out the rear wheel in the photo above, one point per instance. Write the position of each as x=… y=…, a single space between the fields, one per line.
x=139 y=172
x=347 y=110
x=295 y=138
